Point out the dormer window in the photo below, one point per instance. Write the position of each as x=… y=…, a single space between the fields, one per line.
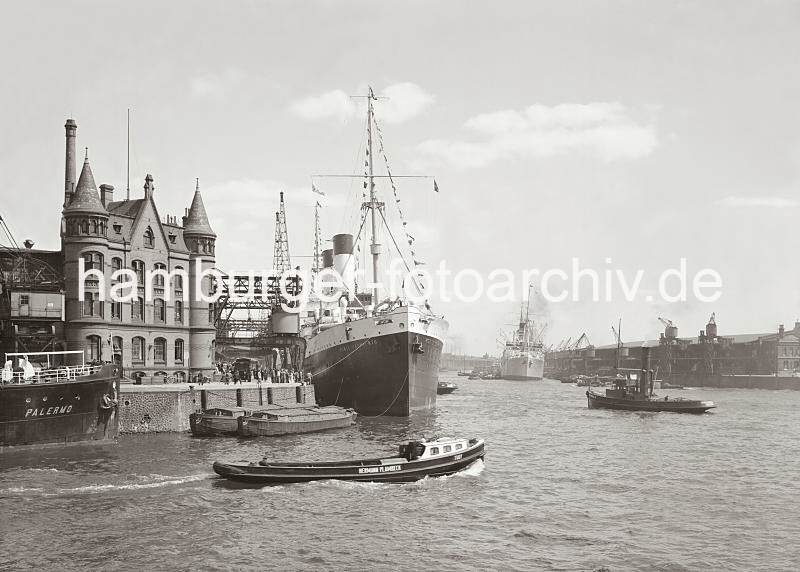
x=149 y=238
x=171 y=238
x=117 y=228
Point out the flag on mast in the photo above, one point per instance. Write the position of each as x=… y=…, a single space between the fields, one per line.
x=435 y=186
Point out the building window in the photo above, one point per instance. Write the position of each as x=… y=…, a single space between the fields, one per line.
x=158 y=279
x=137 y=309
x=178 y=312
x=160 y=351
x=159 y=311
x=116 y=350
x=92 y=306
x=94 y=348
x=137 y=350
x=138 y=268
x=211 y=313
x=24 y=299
x=93 y=260
x=116 y=264
x=149 y=238
x=178 y=281
x=179 y=352
x=85 y=227
x=116 y=310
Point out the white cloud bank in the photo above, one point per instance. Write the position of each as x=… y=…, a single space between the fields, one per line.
x=606 y=130
x=749 y=202
x=404 y=101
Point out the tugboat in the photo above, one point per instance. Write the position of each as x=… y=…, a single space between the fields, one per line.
x=44 y=400
x=415 y=460
x=638 y=396
x=445 y=387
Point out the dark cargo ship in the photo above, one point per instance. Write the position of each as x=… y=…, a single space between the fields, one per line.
x=55 y=403
x=379 y=358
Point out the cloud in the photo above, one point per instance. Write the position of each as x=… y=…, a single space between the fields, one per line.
x=216 y=85
x=605 y=130
x=404 y=101
x=747 y=202
x=334 y=104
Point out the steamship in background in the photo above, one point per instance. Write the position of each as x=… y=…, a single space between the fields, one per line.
x=523 y=354
x=378 y=357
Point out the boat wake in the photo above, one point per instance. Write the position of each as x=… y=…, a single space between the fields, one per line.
x=160 y=481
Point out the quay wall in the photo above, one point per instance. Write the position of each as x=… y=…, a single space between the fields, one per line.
x=165 y=408
x=741 y=381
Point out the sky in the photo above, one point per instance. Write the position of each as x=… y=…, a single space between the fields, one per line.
x=639 y=133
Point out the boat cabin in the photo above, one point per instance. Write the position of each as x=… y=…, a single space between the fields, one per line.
x=422 y=450
x=45 y=367
x=226 y=412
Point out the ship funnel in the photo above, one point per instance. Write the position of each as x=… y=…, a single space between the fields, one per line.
x=343 y=261
x=327 y=258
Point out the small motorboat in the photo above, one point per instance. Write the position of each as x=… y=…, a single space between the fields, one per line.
x=217 y=421
x=277 y=420
x=415 y=460
x=445 y=387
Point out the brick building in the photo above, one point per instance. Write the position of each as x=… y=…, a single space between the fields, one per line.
x=162 y=331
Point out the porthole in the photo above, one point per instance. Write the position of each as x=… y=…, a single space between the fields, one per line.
x=44 y=398
x=27 y=400
x=127 y=402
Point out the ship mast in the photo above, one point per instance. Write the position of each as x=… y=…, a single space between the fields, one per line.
x=373 y=204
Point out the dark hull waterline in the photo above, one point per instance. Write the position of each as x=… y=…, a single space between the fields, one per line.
x=654 y=405
x=385 y=375
x=366 y=470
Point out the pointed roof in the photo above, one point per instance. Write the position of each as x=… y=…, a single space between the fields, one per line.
x=197 y=219
x=86 y=198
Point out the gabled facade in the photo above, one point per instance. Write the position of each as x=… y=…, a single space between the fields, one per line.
x=164 y=334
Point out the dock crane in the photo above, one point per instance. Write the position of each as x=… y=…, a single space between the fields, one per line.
x=670 y=329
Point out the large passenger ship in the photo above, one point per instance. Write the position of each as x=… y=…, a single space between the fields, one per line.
x=380 y=358
x=523 y=354
x=44 y=399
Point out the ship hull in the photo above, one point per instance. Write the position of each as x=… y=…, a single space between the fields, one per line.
x=596 y=401
x=60 y=413
x=522 y=368
x=387 y=365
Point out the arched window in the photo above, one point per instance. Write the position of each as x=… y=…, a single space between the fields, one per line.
x=158 y=279
x=85 y=227
x=178 y=352
x=159 y=311
x=178 y=281
x=94 y=348
x=149 y=238
x=178 y=312
x=116 y=264
x=93 y=260
x=138 y=268
x=160 y=351
x=116 y=350
x=137 y=350
x=94 y=226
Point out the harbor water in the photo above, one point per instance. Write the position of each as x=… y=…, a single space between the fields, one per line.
x=562 y=488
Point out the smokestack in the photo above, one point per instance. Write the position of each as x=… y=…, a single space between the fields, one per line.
x=343 y=261
x=106 y=194
x=70 y=128
x=327 y=258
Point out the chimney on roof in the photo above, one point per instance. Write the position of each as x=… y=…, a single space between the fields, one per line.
x=70 y=127
x=781 y=331
x=106 y=194
x=185 y=216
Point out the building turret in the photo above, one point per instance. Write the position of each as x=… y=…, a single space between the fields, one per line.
x=200 y=239
x=85 y=238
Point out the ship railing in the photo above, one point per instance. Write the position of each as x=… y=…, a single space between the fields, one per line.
x=60 y=374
